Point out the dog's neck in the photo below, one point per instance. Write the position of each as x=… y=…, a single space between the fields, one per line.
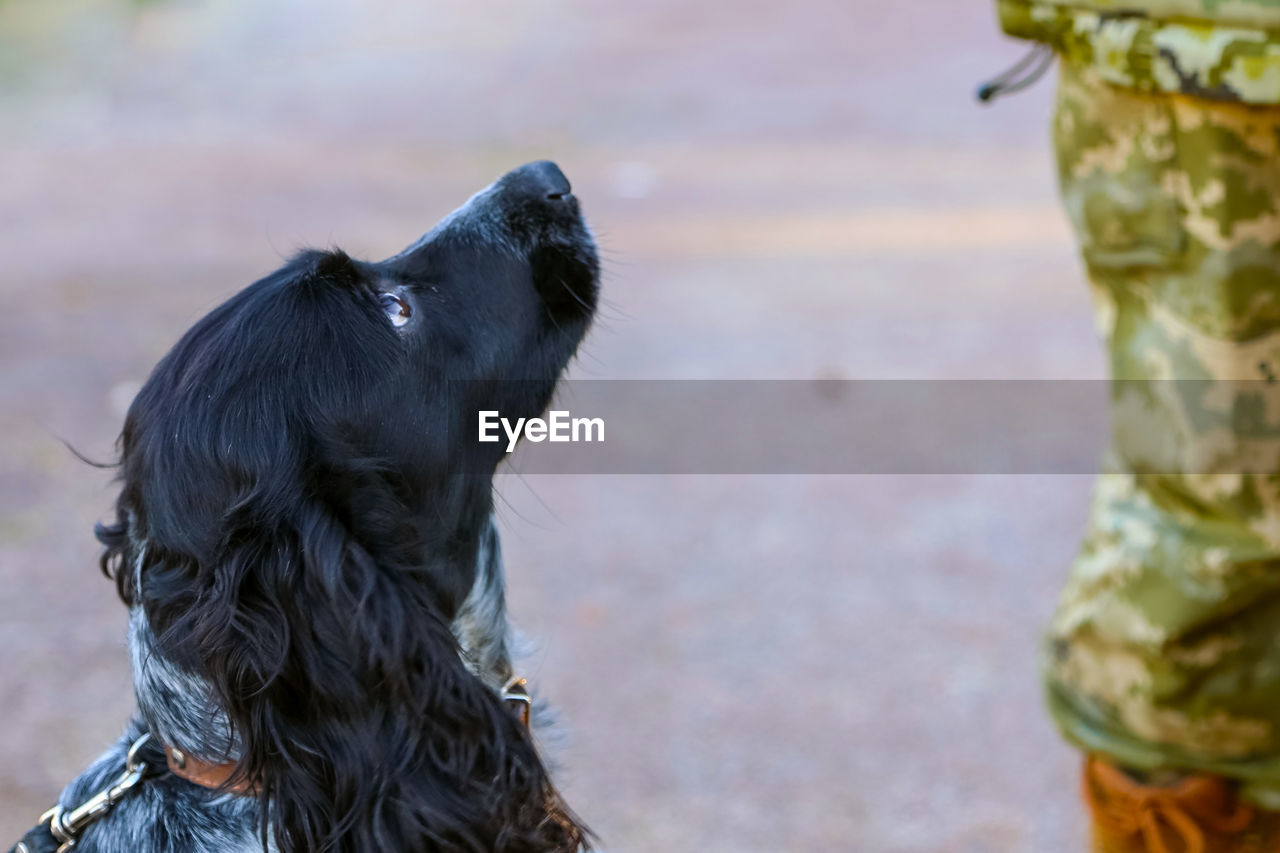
x=178 y=705
x=481 y=626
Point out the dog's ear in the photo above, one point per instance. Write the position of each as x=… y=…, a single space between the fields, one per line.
x=286 y=552
x=116 y=561
x=360 y=726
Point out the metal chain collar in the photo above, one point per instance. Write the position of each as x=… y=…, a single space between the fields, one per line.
x=66 y=825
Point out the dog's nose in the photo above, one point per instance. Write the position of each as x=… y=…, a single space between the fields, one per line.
x=542 y=179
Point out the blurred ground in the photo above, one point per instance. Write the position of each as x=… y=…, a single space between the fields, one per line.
x=782 y=190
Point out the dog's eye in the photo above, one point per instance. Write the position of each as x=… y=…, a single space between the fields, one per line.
x=398 y=310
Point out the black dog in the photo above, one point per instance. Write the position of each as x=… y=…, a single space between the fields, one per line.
x=304 y=540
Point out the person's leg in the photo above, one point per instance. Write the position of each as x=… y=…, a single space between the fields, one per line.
x=1164 y=652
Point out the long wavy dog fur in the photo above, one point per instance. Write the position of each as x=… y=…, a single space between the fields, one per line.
x=304 y=541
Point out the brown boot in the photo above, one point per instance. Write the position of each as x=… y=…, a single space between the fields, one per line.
x=1196 y=814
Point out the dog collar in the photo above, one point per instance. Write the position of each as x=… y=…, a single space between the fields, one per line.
x=514 y=694
x=59 y=828
x=203 y=773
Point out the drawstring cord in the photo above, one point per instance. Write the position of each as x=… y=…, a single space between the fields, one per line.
x=1033 y=66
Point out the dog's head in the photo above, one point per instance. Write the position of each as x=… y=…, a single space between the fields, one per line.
x=304 y=508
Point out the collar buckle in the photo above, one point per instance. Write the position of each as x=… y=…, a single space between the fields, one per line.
x=515 y=695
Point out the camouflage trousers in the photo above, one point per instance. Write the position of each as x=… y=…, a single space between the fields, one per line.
x=1164 y=650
